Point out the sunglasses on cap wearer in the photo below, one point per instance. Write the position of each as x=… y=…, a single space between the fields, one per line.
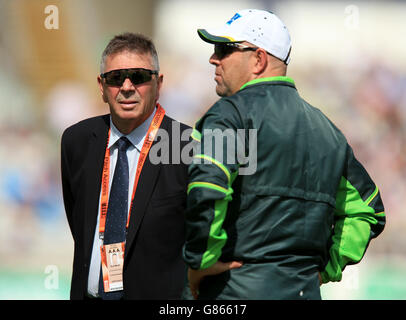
x=136 y=76
x=223 y=49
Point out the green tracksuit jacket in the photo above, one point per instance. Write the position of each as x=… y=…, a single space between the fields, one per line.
x=307 y=207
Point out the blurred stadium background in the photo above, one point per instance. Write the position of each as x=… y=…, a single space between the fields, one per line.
x=348 y=59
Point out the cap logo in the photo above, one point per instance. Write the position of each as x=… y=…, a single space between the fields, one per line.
x=235 y=17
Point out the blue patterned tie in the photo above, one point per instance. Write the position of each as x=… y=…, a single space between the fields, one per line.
x=116 y=219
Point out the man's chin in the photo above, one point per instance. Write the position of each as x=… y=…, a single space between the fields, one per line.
x=221 y=91
x=126 y=113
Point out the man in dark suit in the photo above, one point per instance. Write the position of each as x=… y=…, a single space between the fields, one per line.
x=115 y=197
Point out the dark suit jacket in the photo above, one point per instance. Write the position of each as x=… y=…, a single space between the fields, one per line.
x=153 y=265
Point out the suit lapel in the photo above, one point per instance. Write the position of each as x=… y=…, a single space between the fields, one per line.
x=145 y=189
x=93 y=168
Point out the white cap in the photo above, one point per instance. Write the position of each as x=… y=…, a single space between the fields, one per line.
x=258 y=27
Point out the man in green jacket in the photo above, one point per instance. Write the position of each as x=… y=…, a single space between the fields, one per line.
x=300 y=207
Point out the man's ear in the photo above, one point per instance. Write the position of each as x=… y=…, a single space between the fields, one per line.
x=100 y=82
x=159 y=86
x=261 y=62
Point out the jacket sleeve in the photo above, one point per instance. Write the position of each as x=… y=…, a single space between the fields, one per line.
x=358 y=218
x=68 y=198
x=211 y=175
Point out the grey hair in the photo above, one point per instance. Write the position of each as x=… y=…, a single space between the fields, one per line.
x=132 y=42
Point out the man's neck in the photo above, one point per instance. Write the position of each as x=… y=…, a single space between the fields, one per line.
x=126 y=126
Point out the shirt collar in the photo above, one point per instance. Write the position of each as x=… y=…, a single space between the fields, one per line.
x=136 y=137
x=268 y=79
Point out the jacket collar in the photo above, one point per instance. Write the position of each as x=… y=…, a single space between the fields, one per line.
x=271 y=80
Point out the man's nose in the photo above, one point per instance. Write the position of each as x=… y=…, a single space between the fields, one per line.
x=214 y=59
x=127 y=85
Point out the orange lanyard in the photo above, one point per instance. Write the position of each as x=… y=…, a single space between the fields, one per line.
x=149 y=139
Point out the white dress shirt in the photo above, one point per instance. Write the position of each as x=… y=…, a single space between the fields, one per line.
x=136 y=137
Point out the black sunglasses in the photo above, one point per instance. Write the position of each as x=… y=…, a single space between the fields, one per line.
x=224 y=49
x=136 y=75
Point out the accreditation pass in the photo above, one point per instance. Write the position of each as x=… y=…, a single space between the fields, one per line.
x=112 y=256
